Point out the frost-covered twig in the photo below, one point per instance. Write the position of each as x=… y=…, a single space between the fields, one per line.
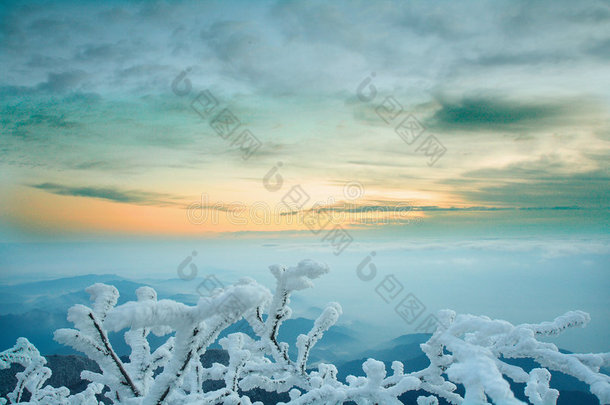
x=470 y=347
x=36 y=374
x=468 y=350
x=196 y=328
x=91 y=338
x=306 y=342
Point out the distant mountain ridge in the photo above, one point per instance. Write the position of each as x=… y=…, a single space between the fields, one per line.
x=62 y=284
x=20 y=298
x=36 y=309
x=39 y=308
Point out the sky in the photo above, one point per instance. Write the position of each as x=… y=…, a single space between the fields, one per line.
x=99 y=135
x=474 y=129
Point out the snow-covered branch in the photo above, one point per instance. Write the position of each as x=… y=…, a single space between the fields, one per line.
x=470 y=351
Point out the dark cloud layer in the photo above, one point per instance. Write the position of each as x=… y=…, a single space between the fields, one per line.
x=59 y=82
x=546 y=182
x=404 y=207
x=110 y=194
x=491 y=113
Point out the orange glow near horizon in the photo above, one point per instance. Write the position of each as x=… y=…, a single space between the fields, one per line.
x=36 y=210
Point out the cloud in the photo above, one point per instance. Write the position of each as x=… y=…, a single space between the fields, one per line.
x=283 y=47
x=564 y=191
x=594 y=14
x=289 y=71
x=545 y=182
x=552 y=247
x=546 y=167
x=493 y=113
x=60 y=82
x=503 y=58
x=111 y=194
x=405 y=206
x=33 y=123
x=600 y=50
x=100 y=52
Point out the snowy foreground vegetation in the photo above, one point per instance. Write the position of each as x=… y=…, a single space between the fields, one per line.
x=466 y=350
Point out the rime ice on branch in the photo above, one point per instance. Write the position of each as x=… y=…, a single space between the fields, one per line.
x=34 y=376
x=468 y=350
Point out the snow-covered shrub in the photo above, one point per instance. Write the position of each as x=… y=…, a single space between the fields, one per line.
x=33 y=377
x=467 y=350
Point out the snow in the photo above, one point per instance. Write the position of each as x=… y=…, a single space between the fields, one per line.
x=468 y=350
